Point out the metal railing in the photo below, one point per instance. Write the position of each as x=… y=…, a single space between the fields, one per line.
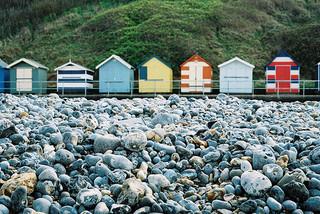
x=155 y=87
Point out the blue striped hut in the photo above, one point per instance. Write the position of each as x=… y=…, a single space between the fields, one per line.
x=72 y=77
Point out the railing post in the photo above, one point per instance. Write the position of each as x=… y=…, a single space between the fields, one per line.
x=63 y=89
x=108 y=83
x=203 y=87
x=277 y=85
x=131 y=87
x=252 y=89
x=303 y=88
x=85 y=87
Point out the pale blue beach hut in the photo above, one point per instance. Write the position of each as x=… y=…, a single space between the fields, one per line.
x=115 y=75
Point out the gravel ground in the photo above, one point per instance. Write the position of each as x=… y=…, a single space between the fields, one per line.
x=157 y=155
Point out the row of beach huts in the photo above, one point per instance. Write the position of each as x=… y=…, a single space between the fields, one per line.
x=117 y=76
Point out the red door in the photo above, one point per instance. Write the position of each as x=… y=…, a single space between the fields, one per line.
x=283 y=78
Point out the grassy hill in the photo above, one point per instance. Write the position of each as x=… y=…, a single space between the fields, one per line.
x=89 y=31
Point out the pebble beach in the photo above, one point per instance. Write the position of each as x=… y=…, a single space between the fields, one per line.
x=158 y=155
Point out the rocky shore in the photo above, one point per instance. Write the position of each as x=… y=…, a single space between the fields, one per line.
x=176 y=155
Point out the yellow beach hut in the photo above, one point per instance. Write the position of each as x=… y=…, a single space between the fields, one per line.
x=155 y=76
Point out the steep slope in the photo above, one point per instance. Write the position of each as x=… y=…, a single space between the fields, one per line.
x=173 y=30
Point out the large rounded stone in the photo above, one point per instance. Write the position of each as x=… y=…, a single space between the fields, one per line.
x=48 y=174
x=312 y=204
x=248 y=206
x=104 y=143
x=41 y=205
x=261 y=158
x=255 y=183
x=135 y=142
x=158 y=181
x=297 y=191
x=19 y=200
x=274 y=204
x=28 y=180
x=89 y=197
x=273 y=171
x=314 y=155
x=64 y=157
x=118 y=161
x=165 y=119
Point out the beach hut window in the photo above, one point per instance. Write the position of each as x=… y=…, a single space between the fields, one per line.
x=24 y=79
x=144 y=73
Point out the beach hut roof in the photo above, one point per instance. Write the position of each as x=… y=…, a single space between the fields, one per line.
x=195 y=57
x=118 y=58
x=283 y=54
x=157 y=58
x=3 y=64
x=236 y=59
x=28 y=61
x=80 y=67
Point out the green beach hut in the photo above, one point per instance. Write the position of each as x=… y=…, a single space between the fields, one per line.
x=28 y=76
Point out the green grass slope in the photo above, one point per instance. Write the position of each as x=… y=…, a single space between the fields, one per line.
x=174 y=30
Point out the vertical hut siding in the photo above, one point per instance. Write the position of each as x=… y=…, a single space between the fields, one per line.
x=39 y=79
x=4 y=79
x=236 y=77
x=114 y=77
x=159 y=77
x=282 y=75
x=318 y=76
x=196 y=75
x=72 y=77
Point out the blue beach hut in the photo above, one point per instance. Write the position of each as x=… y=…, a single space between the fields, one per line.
x=318 y=76
x=115 y=75
x=4 y=76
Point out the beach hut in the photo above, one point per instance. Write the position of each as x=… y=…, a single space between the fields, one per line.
x=4 y=76
x=236 y=76
x=282 y=74
x=115 y=75
x=155 y=76
x=318 y=76
x=28 y=76
x=72 y=77
x=196 y=74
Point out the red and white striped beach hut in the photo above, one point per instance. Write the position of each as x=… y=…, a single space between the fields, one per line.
x=196 y=74
x=282 y=75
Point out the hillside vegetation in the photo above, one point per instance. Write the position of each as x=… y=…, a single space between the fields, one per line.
x=89 y=31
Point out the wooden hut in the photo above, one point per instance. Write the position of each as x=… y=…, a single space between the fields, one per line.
x=282 y=74
x=4 y=76
x=72 y=77
x=155 y=76
x=115 y=75
x=318 y=77
x=196 y=75
x=28 y=76
x=236 y=76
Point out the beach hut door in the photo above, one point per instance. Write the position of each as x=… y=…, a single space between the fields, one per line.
x=24 y=79
x=283 y=78
x=196 y=78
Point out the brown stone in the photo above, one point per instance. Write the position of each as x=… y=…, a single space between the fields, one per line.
x=28 y=180
x=23 y=114
x=185 y=181
x=199 y=142
x=283 y=161
x=215 y=193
